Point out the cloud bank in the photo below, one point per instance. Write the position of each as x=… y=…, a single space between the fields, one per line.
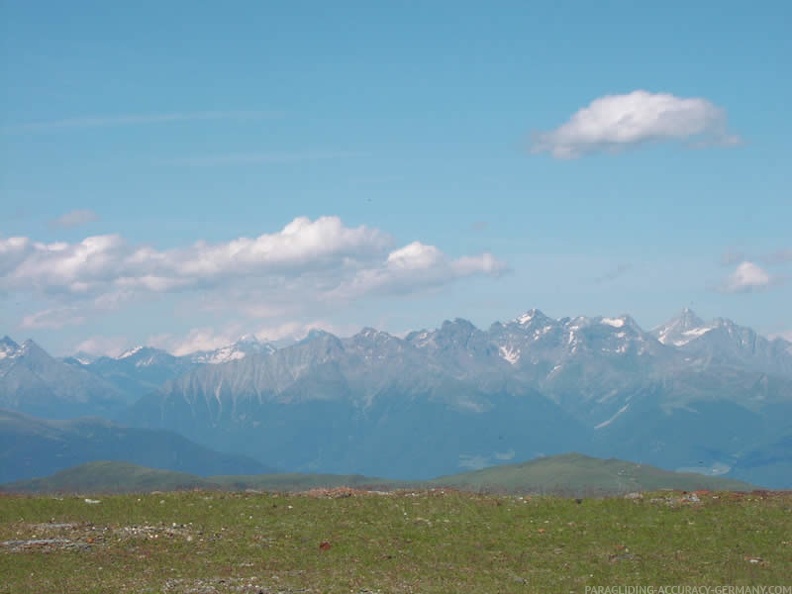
x=305 y=263
x=617 y=122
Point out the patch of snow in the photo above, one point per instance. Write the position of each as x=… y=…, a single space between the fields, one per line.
x=541 y=332
x=130 y=353
x=509 y=354
x=686 y=336
x=146 y=362
x=525 y=318
x=619 y=412
x=696 y=332
x=224 y=355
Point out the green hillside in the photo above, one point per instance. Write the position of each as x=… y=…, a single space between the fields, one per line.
x=110 y=477
x=579 y=474
x=568 y=474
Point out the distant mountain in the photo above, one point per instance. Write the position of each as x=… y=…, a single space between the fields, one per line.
x=32 y=447
x=143 y=369
x=109 y=477
x=713 y=397
x=459 y=397
x=245 y=346
x=578 y=474
x=568 y=474
x=721 y=342
x=33 y=382
x=136 y=371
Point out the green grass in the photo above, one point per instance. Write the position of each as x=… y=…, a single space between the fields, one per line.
x=418 y=542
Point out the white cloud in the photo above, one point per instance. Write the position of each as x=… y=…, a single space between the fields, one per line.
x=261 y=158
x=75 y=218
x=748 y=277
x=309 y=265
x=111 y=346
x=415 y=267
x=105 y=264
x=53 y=318
x=197 y=339
x=209 y=338
x=616 y=122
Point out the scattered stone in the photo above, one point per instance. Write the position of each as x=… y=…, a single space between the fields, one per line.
x=44 y=545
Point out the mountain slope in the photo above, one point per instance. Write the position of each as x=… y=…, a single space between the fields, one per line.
x=438 y=401
x=110 y=477
x=33 y=447
x=576 y=473
x=33 y=382
x=710 y=396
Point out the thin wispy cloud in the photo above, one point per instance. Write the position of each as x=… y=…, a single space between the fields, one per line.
x=75 y=218
x=53 y=318
x=108 y=121
x=273 y=158
x=614 y=123
x=779 y=257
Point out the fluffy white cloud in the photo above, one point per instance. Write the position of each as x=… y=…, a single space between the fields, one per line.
x=748 y=277
x=615 y=122
x=306 y=263
x=106 y=263
x=414 y=267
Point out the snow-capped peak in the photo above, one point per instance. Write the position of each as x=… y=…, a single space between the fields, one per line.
x=687 y=326
x=130 y=352
x=246 y=345
x=8 y=348
x=529 y=316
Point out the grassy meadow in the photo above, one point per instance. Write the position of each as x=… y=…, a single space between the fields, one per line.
x=342 y=540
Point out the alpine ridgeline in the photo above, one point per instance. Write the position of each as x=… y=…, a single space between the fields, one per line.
x=708 y=397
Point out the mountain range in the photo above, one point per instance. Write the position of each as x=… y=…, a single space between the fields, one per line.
x=32 y=447
x=712 y=397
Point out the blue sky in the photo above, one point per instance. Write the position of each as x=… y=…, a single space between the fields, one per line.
x=181 y=173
